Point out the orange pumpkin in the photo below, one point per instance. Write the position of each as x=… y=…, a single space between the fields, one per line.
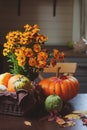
x=4 y=77
x=66 y=87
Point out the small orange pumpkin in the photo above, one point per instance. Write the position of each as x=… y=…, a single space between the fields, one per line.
x=4 y=77
x=66 y=87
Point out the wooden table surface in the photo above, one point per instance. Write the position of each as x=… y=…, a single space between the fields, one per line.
x=17 y=123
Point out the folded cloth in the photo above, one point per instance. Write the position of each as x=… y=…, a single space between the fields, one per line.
x=8 y=94
x=3 y=88
x=19 y=95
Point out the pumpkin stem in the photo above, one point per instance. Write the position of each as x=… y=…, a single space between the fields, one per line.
x=58 y=70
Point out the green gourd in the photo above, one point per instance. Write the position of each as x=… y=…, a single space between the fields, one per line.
x=53 y=103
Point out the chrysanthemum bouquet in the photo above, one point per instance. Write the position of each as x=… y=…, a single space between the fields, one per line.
x=26 y=51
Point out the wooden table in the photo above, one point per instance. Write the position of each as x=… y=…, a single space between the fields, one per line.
x=17 y=123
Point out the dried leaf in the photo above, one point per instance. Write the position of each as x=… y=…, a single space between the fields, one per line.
x=28 y=123
x=51 y=118
x=84 y=120
x=60 y=121
x=81 y=113
x=72 y=116
x=64 y=123
x=78 y=112
x=70 y=123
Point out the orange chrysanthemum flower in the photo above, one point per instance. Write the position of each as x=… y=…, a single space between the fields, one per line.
x=42 y=56
x=37 y=47
x=32 y=61
x=26 y=51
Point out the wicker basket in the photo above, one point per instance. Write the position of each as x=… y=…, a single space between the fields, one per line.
x=16 y=104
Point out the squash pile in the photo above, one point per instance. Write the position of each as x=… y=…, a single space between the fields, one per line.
x=66 y=87
x=51 y=92
x=14 y=82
